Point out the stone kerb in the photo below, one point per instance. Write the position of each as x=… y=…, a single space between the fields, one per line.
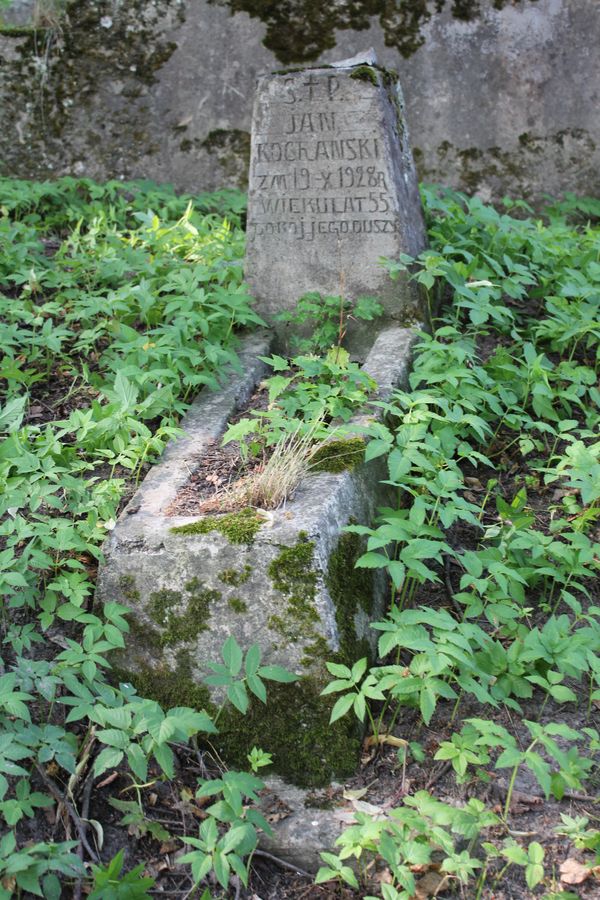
x=332 y=189
x=284 y=579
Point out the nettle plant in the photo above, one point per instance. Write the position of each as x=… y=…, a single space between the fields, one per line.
x=306 y=394
x=310 y=398
x=319 y=322
x=510 y=368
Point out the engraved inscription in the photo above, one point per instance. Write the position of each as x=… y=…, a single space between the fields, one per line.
x=332 y=189
x=318 y=164
x=310 y=151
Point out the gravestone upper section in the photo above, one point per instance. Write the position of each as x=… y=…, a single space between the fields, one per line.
x=332 y=189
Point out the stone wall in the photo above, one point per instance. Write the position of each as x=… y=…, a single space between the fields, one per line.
x=502 y=95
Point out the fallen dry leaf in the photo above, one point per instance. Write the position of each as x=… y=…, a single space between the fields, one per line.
x=169 y=846
x=355 y=795
x=573 y=872
x=369 y=808
x=373 y=741
x=430 y=885
x=108 y=780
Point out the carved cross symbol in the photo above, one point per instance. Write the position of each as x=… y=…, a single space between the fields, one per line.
x=310 y=84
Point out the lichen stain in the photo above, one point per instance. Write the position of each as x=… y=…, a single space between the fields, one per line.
x=507 y=171
x=230 y=148
x=61 y=76
x=301 y=30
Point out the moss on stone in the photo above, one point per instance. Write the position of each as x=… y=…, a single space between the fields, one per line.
x=319 y=800
x=16 y=31
x=292 y=574
x=294 y=726
x=235 y=577
x=237 y=604
x=56 y=69
x=230 y=148
x=128 y=586
x=301 y=30
x=179 y=627
x=351 y=591
x=238 y=527
x=365 y=73
x=144 y=634
x=339 y=455
x=169 y=688
x=316 y=654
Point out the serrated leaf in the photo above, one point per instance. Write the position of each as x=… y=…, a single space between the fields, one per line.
x=341 y=707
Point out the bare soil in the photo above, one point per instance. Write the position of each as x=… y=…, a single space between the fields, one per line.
x=219 y=468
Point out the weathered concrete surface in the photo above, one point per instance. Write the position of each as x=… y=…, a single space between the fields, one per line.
x=332 y=189
x=302 y=830
x=290 y=586
x=501 y=97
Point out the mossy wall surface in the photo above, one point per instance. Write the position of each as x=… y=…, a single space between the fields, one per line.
x=501 y=97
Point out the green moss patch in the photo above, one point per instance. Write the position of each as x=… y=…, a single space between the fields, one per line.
x=128 y=586
x=292 y=574
x=339 y=455
x=237 y=605
x=182 y=618
x=351 y=590
x=230 y=147
x=365 y=73
x=169 y=688
x=238 y=527
x=294 y=726
x=235 y=577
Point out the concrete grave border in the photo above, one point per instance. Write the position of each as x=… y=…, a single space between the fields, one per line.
x=170 y=580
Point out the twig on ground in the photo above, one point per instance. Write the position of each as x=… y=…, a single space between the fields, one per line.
x=72 y=812
x=283 y=863
x=534 y=797
x=439 y=774
x=85 y=809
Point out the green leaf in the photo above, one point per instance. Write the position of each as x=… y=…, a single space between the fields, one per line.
x=372 y=560
x=109 y=758
x=232 y=656
x=510 y=757
x=237 y=695
x=164 y=757
x=138 y=762
x=257 y=687
x=277 y=673
x=427 y=703
x=341 y=707
x=252 y=659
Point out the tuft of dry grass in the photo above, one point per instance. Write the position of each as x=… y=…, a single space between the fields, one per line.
x=269 y=486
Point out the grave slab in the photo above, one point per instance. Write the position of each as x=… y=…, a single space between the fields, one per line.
x=284 y=579
x=332 y=189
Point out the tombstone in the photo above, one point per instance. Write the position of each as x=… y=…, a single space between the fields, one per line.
x=333 y=189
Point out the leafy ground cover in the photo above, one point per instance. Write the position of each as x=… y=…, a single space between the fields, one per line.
x=481 y=763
